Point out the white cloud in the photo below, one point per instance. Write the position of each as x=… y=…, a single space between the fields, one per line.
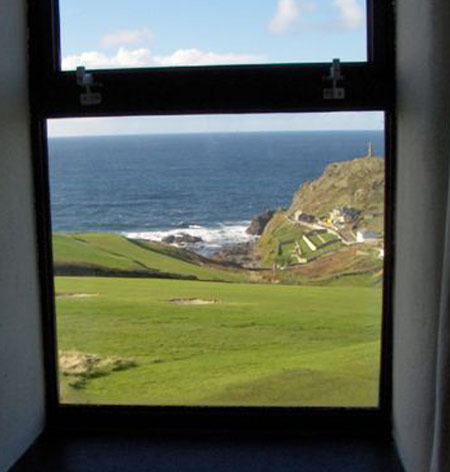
x=351 y=14
x=126 y=37
x=97 y=60
x=285 y=18
x=143 y=58
x=196 y=57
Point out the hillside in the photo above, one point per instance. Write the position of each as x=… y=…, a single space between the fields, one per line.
x=103 y=254
x=341 y=214
x=358 y=184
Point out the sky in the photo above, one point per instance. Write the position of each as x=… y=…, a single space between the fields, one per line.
x=154 y=33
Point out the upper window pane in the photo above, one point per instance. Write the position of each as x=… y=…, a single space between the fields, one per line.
x=116 y=34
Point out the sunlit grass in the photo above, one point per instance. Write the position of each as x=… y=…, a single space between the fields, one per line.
x=258 y=345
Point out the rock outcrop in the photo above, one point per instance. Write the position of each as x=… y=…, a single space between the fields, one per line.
x=182 y=238
x=259 y=223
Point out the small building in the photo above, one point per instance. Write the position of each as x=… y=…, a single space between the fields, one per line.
x=350 y=214
x=303 y=217
x=336 y=217
x=344 y=215
x=362 y=236
x=309 y=243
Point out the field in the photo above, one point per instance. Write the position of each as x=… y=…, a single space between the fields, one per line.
x=255 y=345
x=84 y=252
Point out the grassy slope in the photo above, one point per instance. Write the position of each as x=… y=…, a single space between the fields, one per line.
x=260 y=345
x=349 y=266
x=113 y=251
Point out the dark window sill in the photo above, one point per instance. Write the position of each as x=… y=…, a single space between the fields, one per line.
x=111 y=452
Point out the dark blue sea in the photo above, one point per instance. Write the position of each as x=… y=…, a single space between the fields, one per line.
x=208 y=185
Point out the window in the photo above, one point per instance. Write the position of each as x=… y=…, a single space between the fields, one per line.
x=193 y=33
x=204 y=93
x=282 y=310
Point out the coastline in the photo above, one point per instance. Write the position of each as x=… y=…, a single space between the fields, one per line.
x=208 y=241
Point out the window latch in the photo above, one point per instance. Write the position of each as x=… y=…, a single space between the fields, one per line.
x=334 y=92
x=86 y=80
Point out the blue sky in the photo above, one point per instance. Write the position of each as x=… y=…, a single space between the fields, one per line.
x=142 y=33
x=216 y=123
x=153 y=33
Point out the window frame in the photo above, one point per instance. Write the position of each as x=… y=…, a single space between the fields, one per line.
x=271 y=88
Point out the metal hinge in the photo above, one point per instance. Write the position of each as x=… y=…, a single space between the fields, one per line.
x=334 y=92
x=86 y=80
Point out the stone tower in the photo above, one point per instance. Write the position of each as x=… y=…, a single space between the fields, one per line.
x=370 y=150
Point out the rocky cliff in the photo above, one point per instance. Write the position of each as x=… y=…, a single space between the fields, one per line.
x=357 y=184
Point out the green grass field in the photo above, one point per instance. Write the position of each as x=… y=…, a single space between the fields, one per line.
x=112 y=251
x=257 y=345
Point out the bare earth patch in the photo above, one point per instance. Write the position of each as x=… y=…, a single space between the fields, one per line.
x=80 y=367
x=193 y=301
x=76 y=295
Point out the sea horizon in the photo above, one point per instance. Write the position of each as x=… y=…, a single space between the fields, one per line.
x=237 y=132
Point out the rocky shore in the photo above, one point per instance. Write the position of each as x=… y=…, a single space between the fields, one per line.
x=182 y=239
x=240 y=254
x=243 y=254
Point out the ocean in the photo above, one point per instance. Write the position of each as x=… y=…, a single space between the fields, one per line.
x=208 y=185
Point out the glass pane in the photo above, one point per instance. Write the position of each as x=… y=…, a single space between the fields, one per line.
x=221 y=260
x=117 y=34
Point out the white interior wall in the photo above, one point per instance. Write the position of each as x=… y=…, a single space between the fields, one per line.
x=423 y=71
x=21 y=370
